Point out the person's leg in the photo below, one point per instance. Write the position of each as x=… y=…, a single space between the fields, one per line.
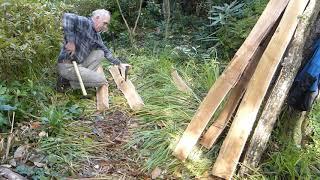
x=94 y=59
x=89 y=77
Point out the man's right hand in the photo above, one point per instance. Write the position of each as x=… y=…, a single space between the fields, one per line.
x=71 y=48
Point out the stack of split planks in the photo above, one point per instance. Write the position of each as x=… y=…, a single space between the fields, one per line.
x=244 y=85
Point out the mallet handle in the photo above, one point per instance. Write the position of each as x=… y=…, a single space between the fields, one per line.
x=83 y=89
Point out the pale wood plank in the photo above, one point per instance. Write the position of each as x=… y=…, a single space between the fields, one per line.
x=127 y=88
x=233 y=145
x=228 y=78
x=215 y=130
x=273 y=107
x=179 y=82
x=102 y=94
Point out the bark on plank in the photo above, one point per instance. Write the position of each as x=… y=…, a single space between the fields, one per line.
x=228 y=78
x=291 y=64
x=127 y=88
x=179 y=82
x=233 y=101
x=102 y=95
x=233 y=145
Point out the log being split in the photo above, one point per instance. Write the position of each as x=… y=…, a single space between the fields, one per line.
x=127 y=88
x=229 y=78
x=291 y=64
x=102 y=94
x=233 y=144
x=215 y=130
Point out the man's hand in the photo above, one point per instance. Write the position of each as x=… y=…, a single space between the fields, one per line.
x=123 y=65
x=71 y=48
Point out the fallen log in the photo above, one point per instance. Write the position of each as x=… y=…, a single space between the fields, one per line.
x=228 y=78
x=127 y=88
x=273 y=106
x=102 y=94
x=238 y=134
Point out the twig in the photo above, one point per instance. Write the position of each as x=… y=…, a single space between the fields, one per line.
x=10 y=137
x=139 y=12
x=125 y=21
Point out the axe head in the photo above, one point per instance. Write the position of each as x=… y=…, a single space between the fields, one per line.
x=123 y=70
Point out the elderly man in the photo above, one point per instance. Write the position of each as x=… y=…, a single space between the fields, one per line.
x=83 y=43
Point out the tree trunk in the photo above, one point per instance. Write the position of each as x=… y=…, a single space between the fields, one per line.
x=273 y=106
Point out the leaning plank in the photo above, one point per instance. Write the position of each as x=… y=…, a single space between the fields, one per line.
x=291 y=64
x=210 y=137
x=179 y=82
x=127 y=88
x=233 y=144
x=228 y=78
x=102 y=94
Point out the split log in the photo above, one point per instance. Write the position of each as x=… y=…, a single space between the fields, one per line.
x=102 y=94
x=179 y=82
x=236 y=94
x=127 y=88
x=229 y=78
x=238 y=134
x=273 y=106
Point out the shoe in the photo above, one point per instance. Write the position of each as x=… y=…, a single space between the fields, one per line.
x=62 y=84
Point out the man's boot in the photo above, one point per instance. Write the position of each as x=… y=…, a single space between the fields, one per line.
x=62 y=84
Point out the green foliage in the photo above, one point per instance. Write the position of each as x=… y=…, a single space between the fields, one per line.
x=167 y=110
x=292 y=163
x=224 y=15
x=29 y=37
x=33 y=173
x=230 y=24
x=5 y=107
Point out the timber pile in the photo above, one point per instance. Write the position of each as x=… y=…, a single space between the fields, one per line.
x=247 y=80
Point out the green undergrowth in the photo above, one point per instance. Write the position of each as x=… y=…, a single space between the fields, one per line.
x=167 y=111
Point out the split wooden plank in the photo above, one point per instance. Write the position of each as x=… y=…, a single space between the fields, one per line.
x=233 y=145
x=291 y=64
x=228 y=78
x=102 y=94
x=179 y=82
x=127 y=88
x=236 y=94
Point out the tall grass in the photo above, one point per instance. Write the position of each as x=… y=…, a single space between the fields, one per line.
x=168 y=111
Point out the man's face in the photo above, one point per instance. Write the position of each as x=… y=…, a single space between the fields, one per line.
x=101 y=23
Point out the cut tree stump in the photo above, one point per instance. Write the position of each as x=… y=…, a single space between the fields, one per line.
x=102 y=94
x=291 y=64
x=127 y=88
x=229 y=78
x=215 y=130
x=233 y=144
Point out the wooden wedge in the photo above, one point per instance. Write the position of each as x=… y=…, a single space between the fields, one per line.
x=233 y=144
x=273 y=107
x=228 y=78
x=127 y=88
x=102 y=94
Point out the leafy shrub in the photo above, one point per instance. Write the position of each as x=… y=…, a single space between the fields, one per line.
x=230 y=24
x=29 y=37
x=5 y=107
